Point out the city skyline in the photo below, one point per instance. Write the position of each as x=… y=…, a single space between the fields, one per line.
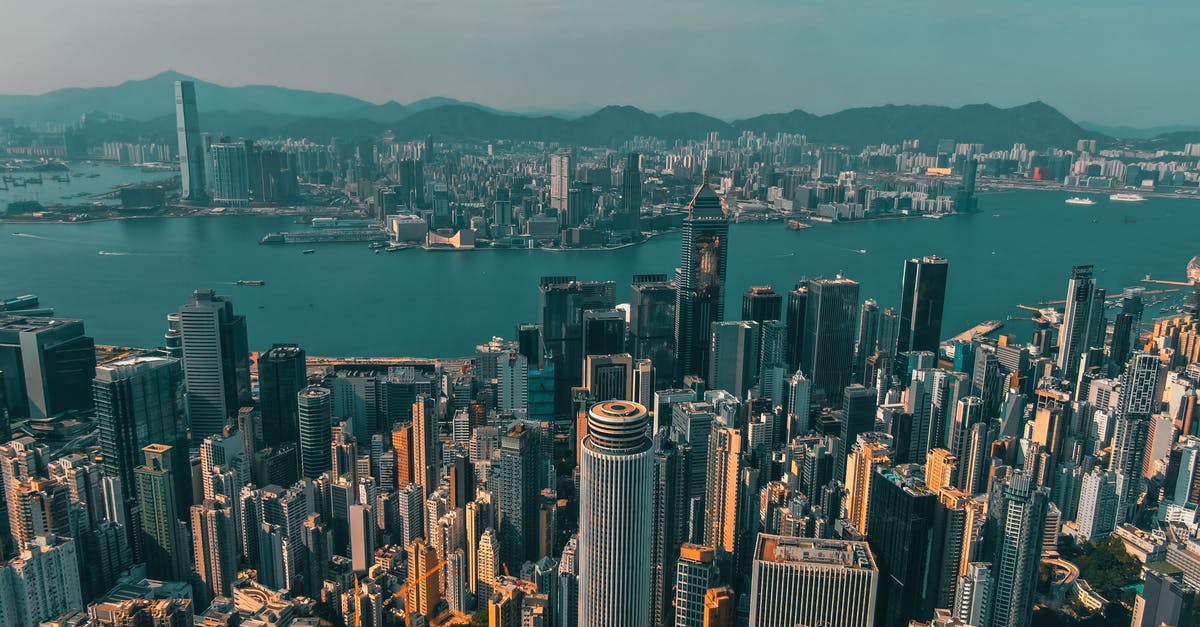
x=494 y=67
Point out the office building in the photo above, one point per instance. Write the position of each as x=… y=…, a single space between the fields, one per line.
x=615 y=517
x=700 y=300
x=761 y=303
x=868 y=339
x=1083 y=324
x=829 y=326
x=191 y=150
x=315 y=418
x=630 y=217
x=1165 y=600
x=723 y=492
x=46 y=366
x=922 y=298
x=652 y=324
x=797 y=308
x=518 y=491
x=216 y=362
x=561 y=173
x=282 y=373
x=900 y=518
x=41 y=583
x=733 y=361
x=800 y=581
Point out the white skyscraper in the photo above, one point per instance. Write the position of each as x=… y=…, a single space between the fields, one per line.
x=615 y=516
x=1098 y=501
x=803 y=581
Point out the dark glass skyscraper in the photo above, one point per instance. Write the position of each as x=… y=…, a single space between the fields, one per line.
x=701 y=298
x=922 y=299
x=282 y=373
x=829 y=325
x=761 y=303
x=1083 y=320
x=630 y=218
x=797 y=306
x=191 y=150
x=652 y=324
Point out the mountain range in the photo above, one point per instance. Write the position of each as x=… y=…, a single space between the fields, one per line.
x=146 y=110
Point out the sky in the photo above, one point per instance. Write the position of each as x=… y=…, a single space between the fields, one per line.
x=1128 y=62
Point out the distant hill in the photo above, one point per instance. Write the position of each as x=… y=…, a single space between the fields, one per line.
x=1133 y=132
x=267 y=111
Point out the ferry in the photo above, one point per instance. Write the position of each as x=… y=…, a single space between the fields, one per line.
x=1127 y=198
x=1079 y=200
x=308 y=251
x=255 y=282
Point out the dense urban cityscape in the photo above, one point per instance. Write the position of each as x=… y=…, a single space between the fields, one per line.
x=639 y=452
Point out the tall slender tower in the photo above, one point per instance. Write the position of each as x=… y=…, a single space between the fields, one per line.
x=1017 y=510
x=922 y=299
x=314 y=407
x=214 y=546
x=615 y=519
x=1083 y=320
x=191 y=152
x=631 y=194
x=700 y=300
x=216 y=362
x=827 y=356
x=282 y=373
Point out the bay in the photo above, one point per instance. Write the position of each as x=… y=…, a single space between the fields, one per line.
x=123 y=277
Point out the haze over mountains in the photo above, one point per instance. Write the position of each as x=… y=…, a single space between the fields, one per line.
x=269 y=111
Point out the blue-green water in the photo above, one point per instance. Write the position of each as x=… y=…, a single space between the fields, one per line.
x=123 y=277
x=49 y=192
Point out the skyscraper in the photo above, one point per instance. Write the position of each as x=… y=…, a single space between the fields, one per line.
x=282 y=373
x=615 y=517
x=191 y=152
x=41 y=583
x=701 y=278
x=1017 y=519
x=46 y=366
x=314 y=411
x=829 y=325
x=630 y=218
x=1082 y=322
x=761 y=303
x=216 y=362
x=800 y=581
x=561 y=173
x=899 y=521
x=723 y=489
x=230 y=173
x=695 y=574
x=652 y=324
x=922 y=299
x=139 y=401
x=797 y=307
x=868 y=337
x=1165 y=600
x=215 y=543
x=518 y=497
x=733 y=362
x=164 y=542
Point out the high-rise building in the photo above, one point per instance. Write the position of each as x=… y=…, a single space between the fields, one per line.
x=563 y=301
x=424 y=585
x=630 y=217
x=216 y=362
x=615 y=517
x=362 y=538
x=191 y=151
x=868 y=338
x=230 y=173
x=797 y=308
x=41 y=583
x=46 y=366
x=700 y=300
x=829 y=325
x=164 y=542
x=696 y=573
x=1098 y=503
x=733 y=362
x=426 y=459
x=1165 y=600
x=518 y=497
x=800 y=581
x=315 y=421
x=282 y=373
x=561 y=172
x=723 y=489
x=922 y=300
x=215 y=542
x=761 y=303
x=603 y=332
x=652 y=324
x=139 y=401
x=1083 y=320
x=973 y=596
x=1136 y=402
x=1017 y=513
x=900 y=519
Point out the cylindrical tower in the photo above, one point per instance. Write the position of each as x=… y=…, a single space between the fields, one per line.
x=315 y=409
x=615 y=516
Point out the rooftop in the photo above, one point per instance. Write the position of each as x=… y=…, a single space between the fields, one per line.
x=812 y=551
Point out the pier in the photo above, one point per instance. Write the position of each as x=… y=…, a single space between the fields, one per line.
x=979 y=330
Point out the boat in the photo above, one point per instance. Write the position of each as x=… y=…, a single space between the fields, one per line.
x=307 y=251
x=374 y=245
x=1127 y=198
x=255 y=282
x=1080 y=200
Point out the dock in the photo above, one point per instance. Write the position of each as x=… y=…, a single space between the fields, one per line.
x=323 y=236
x=979 y=330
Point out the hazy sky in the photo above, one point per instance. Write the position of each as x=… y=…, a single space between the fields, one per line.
x=1108 y=61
